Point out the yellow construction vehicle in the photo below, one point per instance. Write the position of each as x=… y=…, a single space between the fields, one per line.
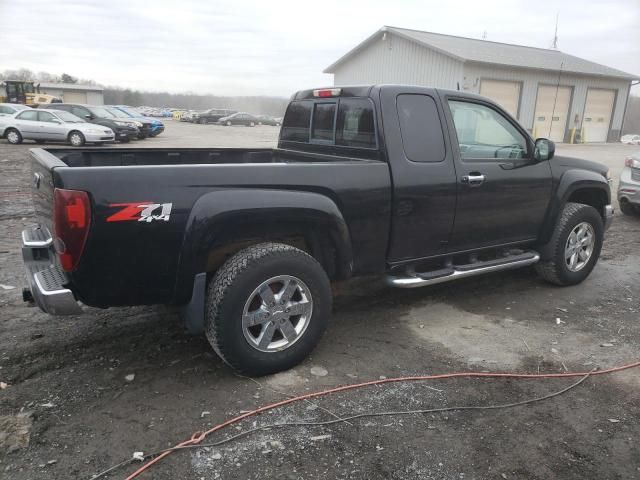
x=25 y=92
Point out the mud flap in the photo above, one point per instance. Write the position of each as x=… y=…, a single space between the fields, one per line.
x=193 y=312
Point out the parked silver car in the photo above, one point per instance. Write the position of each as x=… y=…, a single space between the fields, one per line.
x=52 y=126
x=629 y=187
x=630 y=139
x=11 y=108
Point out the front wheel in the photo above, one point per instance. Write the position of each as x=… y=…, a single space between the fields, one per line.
x=76 y=139
x=228 y=123
x=267 y=308
x=574 y=247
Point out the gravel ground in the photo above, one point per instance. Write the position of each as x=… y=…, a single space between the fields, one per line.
x=69 y=397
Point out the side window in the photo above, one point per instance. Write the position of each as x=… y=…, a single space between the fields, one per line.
x=420 y=128
x=355 y=126
x=28 y=115
x=45 y=117
x=484 y=133
x=295 y=127
x=4 y=109
x=323 y=121
x=79 y=112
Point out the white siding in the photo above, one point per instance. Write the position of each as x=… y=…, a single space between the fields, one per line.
x=396 y=60
x=530 y=79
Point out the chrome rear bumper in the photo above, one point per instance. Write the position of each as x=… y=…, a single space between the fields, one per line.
x=45 y=277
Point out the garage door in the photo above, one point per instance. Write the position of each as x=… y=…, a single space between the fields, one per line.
x=74 y=97
x=552 y=111
x=597 y=114
x=506 y=94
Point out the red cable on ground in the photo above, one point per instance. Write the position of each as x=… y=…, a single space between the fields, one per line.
x=197 y=437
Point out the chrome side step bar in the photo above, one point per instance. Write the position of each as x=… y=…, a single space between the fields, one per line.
x=464 y=271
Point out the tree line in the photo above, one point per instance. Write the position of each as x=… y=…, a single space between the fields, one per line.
x=124 y=96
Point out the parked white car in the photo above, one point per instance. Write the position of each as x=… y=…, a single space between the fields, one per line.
x=630 y=139
x=52 y=126
x=11 y=108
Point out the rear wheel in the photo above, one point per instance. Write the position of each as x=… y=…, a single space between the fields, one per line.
x=13 y=136
x=76 y=138
x=228 y=123
x=252 y=124
x=203 y=121
x=267 y=308
x=575 y=246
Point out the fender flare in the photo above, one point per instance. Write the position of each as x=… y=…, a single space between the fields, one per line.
x=220 y=212
x=570 y=182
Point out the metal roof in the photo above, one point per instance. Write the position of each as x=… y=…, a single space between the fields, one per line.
x=484 y=51
x=70 y=86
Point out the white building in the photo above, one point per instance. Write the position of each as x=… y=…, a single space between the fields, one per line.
x=551 y=93
x=74 y=93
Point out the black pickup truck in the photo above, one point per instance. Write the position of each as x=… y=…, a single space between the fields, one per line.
x=419 y=184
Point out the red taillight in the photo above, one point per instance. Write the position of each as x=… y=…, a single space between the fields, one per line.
x=71 y=219
x=327 y=92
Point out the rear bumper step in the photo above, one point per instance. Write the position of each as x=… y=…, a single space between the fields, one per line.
x=45 y=277
x=463 y=271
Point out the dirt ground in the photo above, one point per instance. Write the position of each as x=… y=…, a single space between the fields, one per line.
x=68 y=411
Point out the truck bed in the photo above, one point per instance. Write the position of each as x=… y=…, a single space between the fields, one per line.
x=209 y=194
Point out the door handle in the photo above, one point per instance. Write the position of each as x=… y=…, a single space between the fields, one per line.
x=474 y=179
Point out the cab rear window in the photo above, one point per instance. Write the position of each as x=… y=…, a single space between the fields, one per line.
x=295 y=127
x=352 y=125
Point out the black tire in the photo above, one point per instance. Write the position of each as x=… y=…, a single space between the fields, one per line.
x=124 y=140
x=228 y=123
x=232 y=286
x=13 y=136
x=76 y=138
x=628 y=209
x=203 y=121
x=554 y=269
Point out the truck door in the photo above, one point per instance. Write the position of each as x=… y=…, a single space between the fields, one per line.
x=503 y=193
x=422 y=170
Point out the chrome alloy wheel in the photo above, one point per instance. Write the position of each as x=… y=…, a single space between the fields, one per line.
x=579 y=246
x=277 y=313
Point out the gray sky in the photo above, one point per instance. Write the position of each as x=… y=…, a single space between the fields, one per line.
x=258 y=47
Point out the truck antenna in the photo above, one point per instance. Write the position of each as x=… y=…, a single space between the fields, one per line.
x=555 y=99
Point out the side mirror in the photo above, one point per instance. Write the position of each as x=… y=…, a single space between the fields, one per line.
x=56 y=121
x=88 y=116
x=544 y=149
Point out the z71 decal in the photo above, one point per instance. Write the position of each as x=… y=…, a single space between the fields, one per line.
x=141 y=212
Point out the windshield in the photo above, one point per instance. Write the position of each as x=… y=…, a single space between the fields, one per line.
x=101 y=112
x=68 y=117
x=130 y=112
x=117 y=113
